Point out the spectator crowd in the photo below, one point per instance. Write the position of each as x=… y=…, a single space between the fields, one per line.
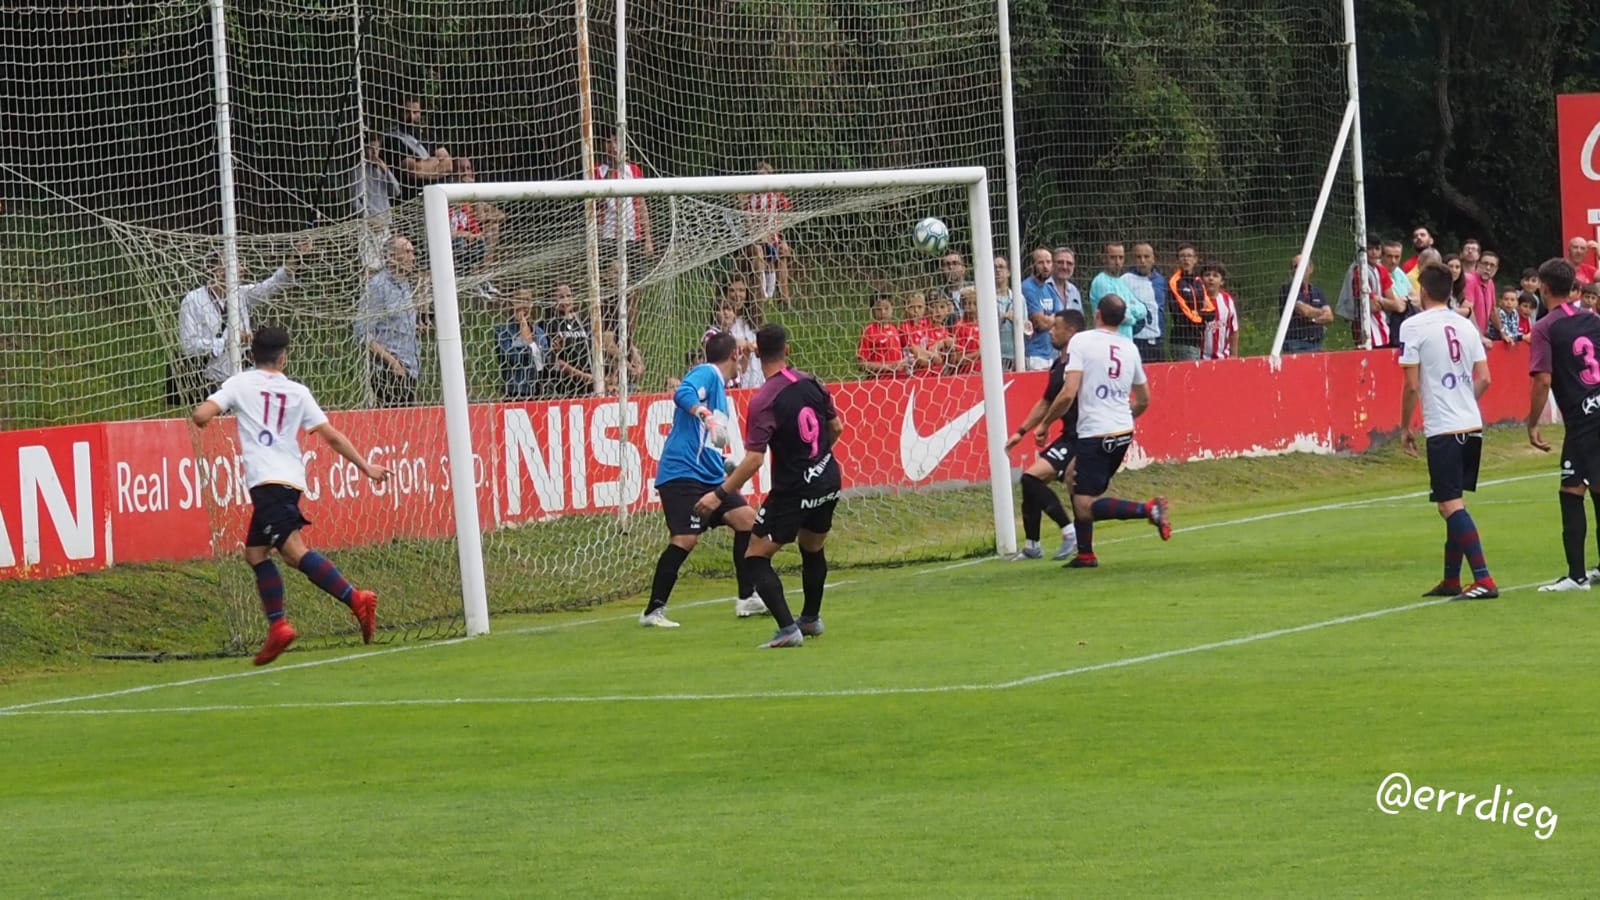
x=1186 y=313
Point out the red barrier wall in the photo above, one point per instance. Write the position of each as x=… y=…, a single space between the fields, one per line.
x=88 y=496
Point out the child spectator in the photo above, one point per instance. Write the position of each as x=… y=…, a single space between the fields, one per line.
x=1222 y=333
x=918 y=336
x=964 y=355
x=881 y=352
x=941 y=342
x=1527 y=313
x=1589 y=296
x=1503 y=325
x=746 y=320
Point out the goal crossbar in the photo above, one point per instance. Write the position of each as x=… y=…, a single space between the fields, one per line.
x=437 y=200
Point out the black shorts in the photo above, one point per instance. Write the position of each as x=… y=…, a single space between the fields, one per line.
x=1059 y=453
x=1453 y=465
x=786 y=513
x=274 y=516
x=1580 y=460
x=678 y=498
x=1099 y=458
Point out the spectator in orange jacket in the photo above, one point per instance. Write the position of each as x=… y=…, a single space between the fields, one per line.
x=1191 y=308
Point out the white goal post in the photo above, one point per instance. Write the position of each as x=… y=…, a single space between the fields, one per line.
x=438 y=200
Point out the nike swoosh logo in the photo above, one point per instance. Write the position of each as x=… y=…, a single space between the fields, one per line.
x=921 y=454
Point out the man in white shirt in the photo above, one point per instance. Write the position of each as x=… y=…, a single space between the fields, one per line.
x=270 y=410
x=203 y=358
x=1444 y=362
x=1106 y=378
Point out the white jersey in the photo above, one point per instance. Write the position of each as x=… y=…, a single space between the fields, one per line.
x=270 y=408
x=1111 y=366
x=1444 y=346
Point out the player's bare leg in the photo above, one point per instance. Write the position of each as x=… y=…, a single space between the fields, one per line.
x=758 y=562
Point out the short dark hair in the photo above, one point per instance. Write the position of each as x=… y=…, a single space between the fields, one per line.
x=1395 y=244
x=1214 y=266
x=1186 y=246
x=1112 y=310
x=1374 y=242
x=1529 y=272
x=268 y=344
x=1436 y=282
x=1074 y=319
x=720 y=346
x=772 y=342
x=1558 y=276
x=1526 y=299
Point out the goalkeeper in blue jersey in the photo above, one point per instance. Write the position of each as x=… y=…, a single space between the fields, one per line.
x=692 y=466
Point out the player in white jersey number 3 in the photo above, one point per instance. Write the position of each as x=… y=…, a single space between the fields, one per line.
x=1443 y=360
x=1105 y=377
x=270 y=409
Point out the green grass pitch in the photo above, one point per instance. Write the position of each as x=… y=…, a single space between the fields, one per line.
x=1209 y=717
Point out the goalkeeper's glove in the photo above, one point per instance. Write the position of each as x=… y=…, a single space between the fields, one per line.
x=716 y=427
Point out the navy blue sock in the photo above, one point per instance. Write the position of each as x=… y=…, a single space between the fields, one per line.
x=324 y=574
x=269 y=584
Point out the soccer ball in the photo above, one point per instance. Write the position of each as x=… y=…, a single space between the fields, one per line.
x=931 y=236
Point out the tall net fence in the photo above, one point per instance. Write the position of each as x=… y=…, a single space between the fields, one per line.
x=1166 y=122
x=1142 y=121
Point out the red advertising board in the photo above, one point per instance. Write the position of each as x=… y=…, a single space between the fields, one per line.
x=1578 y=145
x=85 y=497
x=53 y=502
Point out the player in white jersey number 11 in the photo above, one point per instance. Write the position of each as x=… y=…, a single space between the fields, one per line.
x=1444 y=363
x=270 y=410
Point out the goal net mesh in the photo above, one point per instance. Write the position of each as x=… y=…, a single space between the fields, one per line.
x=112 y=215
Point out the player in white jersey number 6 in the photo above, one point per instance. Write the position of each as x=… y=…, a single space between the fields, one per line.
x=1105 y=377
x=1443 y=360
x=270 y=409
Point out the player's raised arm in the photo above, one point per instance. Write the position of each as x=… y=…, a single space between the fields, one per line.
x=342 y=446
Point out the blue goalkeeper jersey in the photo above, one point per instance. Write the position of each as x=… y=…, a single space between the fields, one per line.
x=689 y=453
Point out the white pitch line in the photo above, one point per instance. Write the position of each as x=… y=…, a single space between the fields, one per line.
x=761 y=695
x=248 y=673
x=399 y=648
x=1250 y=520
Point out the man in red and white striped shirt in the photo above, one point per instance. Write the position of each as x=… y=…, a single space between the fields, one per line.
x=634 y=211
x=769 y=255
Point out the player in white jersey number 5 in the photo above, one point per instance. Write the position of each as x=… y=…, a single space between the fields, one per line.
x=1106 y=377
x=1443 y=360
x=270 y=409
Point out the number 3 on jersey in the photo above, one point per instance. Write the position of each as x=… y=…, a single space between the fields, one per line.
x=1591 y=367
